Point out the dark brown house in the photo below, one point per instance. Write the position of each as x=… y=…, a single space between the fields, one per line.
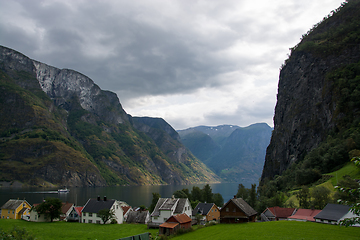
x=236 y=210
x=174 y=223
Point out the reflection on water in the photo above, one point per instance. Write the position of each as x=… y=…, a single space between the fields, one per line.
x=133 y=195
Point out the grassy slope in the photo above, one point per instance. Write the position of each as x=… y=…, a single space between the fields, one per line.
x=265 y=230
x=349 y=169
x=65 y=230
x=273 y=230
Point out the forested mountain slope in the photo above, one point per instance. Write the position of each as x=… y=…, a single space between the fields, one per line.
x=59 y=128
x=316 y=122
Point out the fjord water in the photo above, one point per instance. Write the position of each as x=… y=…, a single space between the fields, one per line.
x=133 y=195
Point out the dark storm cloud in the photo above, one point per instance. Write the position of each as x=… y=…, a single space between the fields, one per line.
x=158 y=52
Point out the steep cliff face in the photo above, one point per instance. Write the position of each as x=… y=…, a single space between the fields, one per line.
x=58 y=127
x=308 y=102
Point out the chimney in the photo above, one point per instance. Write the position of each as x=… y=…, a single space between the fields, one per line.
x=234 y=196
x=98 y=198
x=104 y=198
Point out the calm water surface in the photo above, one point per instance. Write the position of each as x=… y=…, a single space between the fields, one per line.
x=133 y=195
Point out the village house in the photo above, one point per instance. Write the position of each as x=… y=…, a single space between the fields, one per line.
x=16 y=209
x=126 y=211
x=66 y=209
x=93 y=206
x=277 y=213
x=304 y=215
x=174 y=224
x=141 y=217
x=167 y=207
x=236 y=210
x=334 y=213
x=75 y=214
x=208 y=211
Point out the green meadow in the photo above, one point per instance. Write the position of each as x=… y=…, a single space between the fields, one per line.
x=261 y=230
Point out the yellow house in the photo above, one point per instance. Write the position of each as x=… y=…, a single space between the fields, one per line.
x=16 y=209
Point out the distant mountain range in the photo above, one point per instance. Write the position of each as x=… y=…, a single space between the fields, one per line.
x=232 y=152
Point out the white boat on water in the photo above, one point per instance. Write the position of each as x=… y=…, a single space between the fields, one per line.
x=64 y=190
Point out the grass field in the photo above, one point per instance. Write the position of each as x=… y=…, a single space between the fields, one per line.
x=266 y=230
x=273 y=230
x=67 y=230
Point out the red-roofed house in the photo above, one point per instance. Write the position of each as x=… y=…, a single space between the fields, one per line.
x=126 y=211
x=277 y=213
x=304 y=215
x=174 y=223
x=75 y=214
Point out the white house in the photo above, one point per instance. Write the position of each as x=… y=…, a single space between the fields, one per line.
x=92 y=207
x=334 y=213
x=167 y=207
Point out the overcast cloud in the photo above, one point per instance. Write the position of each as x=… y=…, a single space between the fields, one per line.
x=189 y=62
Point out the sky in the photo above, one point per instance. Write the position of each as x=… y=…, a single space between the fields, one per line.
x=189 y=62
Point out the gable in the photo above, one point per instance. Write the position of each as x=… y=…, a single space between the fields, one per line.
x=14 y=204
x=94 y=205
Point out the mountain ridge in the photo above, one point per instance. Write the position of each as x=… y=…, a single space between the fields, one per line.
x=59 y=128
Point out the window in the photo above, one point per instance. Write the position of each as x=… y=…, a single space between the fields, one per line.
x=90 y=221
x=84 y=214
x=13 y=211
x=90 y=214
x=35 y=217
x=234 y=210
x=9 y=211
x=227 y=209
x=98 y=221
x=83 y=220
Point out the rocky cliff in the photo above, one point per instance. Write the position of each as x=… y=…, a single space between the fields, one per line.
x=57 y=127
x=317 y=92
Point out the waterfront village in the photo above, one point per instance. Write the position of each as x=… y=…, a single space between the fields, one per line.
x=169 y=215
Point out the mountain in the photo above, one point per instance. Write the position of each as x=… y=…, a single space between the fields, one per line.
x=232 y=152
x=57 y=127
x=316 y=122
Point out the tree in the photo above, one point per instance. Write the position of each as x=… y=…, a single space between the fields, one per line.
x=180 y=194
x=51 y=208
x=154 y=201
x=207 y=194
x=321 y=197
x=242 y=192
x=196 y=194
x=252 y=195
x=353 y=196
x=218 y=200
x=303 y=196
x=106 y=214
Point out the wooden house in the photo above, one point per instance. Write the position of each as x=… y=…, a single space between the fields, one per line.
x=142 y=217
x=236 y=210
x=277 y=213
x=174 y=224
x=92 y=207
x=166 y=207
x=126 y=211
x=334 y=213
x=304 y=215
x=208 y=211
x=75 y=214
x=66 y=209
x=16 y=209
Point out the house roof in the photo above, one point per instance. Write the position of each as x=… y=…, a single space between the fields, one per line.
x=202 y=208
x=180 y=218
x=333 y=212
x=78 y=210
x=169 y=225
x=305 y=214
x=244 y=206
x=95 y=205
x=280 y=212
x=66 y=207
x=176 y=204
x=125 y=209
x=13 y=204
x=137 y=217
